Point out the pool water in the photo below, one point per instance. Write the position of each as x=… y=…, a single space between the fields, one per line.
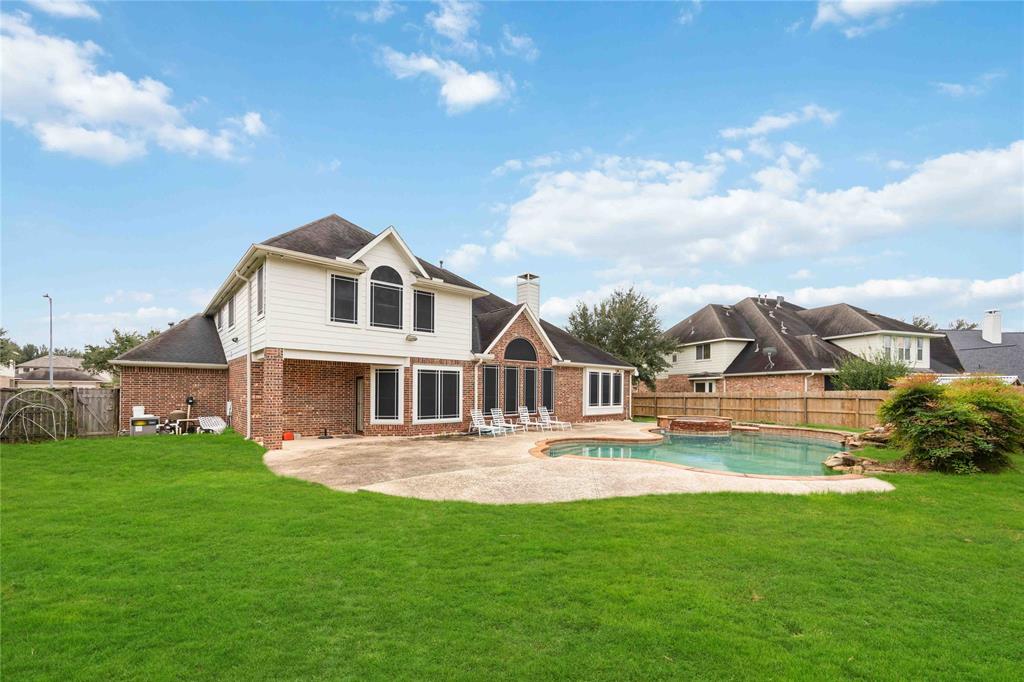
x=746 y=452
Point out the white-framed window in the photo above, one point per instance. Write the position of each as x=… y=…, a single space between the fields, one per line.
x=530 y=388
x=220 y=317
x=703 y=351
x=887 y=346
x=547 y=388
x=603 y=392
x=492 y=373
x=511 y=404
x=385 y=298
x=423 y=311
x=386 y=395
x=920 y=349
x=261 y=289
x=675 y=358
x=704 y=387
x=344 y=299
x=231 y=311
x=437 y=392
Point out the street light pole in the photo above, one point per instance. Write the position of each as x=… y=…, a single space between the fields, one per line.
x=50 y=299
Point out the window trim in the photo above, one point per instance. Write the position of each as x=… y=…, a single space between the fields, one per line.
x=544 y=373
x=920 y=349
x=330 y=299
x=261 y=291
x=528 y=371
x=497 y=388
x=504 y=396
x=709 y=386
x=454 y=369
x=374 y=419
x=706 y=347
x=220 y=318
x=231 y=312
x=602 y=409
x=374 y=285
x=529 y=344
x=416 y=294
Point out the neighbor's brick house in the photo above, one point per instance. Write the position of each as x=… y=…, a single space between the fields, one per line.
x=330 y=327
x=763 y=344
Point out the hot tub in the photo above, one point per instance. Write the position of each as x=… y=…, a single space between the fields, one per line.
x=696 y=426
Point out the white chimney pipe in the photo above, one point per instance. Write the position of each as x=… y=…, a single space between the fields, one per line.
x=528 y=291
x=992 y=327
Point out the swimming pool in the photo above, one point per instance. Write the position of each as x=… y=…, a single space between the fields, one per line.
x=746 y=452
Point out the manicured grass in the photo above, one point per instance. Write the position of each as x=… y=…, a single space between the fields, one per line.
x=645 y=420
x=185 y=558
x=880 y=453
x=832 y=427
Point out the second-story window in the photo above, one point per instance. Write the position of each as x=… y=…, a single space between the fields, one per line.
x=220 y=317
x=231 y=311
x=423 y=311
x=261 y=289
x=704 y=351
x=385 y=298
x=344 y=292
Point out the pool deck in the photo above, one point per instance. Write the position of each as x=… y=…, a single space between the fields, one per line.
x=514 y=469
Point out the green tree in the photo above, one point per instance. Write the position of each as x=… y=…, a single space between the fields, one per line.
x=961 y=323
x=924 y=322
x=31 y=351
x=68 y=351
x=97 y=358
x=875 y=373
x=626 y=325
x=9 y=350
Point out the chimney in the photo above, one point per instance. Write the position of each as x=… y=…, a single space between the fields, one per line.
x=528 y=291
x=779 y=300
x=992 y=327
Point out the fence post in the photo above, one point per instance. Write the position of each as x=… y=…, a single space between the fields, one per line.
x=656 y=410
x=684 y=405
x=806 y=418
x=719 y=404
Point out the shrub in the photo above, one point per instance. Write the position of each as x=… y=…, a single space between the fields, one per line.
x=868 y=374
x=971 y=425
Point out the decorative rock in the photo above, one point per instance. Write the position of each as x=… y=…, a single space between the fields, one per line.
x=878 y=434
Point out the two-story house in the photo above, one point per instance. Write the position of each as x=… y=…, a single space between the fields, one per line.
x=329 y=327
x=763 y=343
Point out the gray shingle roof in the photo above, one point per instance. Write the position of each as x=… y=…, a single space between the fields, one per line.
x=59 y=374
x=977 y=355
x=191 y=341
x=62 y=361
x=842 y=319
x=711 y=322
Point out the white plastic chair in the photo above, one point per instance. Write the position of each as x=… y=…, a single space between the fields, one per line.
x=212 y=425
x=546 y=418
x=478 y=424
x=498 y=419
x=525 y=420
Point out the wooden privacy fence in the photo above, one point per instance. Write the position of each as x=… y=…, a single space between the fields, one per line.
x=90 y=412
x=834 y=408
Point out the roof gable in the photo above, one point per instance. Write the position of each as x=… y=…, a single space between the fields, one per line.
x=710 y=323
x=391 y=234
x=843 y=319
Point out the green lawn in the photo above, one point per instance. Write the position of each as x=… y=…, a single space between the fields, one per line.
x=184 y=558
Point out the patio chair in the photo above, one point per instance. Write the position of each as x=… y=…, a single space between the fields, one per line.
x=498 y=418
x=172 y=423
x=525 y=420
x=547 y=418
x=212 y=425
x=478 y=424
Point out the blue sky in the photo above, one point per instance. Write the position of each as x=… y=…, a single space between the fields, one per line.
x=860 y=152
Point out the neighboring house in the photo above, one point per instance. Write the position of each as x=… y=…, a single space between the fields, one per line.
x=69 y=368
x=62 y=378
x=331 y=327
x=989 y=350
x=763 y=343
x=7 y=373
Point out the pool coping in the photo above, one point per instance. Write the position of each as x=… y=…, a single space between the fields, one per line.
x=541 y=447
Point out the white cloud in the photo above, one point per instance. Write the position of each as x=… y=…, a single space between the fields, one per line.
x=795 y=26
x=769 y=123
x=960 y=291
x=672 y=301
x=896 y=165
x=791 y=169
x=979 y=86
x=461 y=90
x=65 y=9
x=538 y=162
x=734 y=154
x=857 y=18
x=381 y=12
x=121 y=295
x=252 y=123
x=53 y=88
x=688 y=14
x=518 y=45
x=802 y=273
x=331 y=166
x=761 y=147
x=455 y=21
x=654 y=213
x=465 y=258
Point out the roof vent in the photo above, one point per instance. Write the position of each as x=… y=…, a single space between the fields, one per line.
x=779 y=300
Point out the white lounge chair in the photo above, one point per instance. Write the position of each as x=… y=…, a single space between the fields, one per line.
x=525 y=420
x=478 y=424
x=498 y=419
x=552 y=423
x=212 y=425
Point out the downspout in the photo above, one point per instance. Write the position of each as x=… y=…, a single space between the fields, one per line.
x=248 y=353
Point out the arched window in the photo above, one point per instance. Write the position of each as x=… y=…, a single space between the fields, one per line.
x=385 y=298
x=521 y=349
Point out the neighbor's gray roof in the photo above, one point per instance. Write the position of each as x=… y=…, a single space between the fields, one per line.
x=62 y=361
x=62 y=374
x=193 y=341
x=711 y=322
x=843 y=319
x=978 y=355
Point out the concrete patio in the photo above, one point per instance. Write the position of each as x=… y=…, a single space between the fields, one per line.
x=502 y=470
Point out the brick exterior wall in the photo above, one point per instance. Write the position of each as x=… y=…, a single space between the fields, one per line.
x=236 y=393
x=163 y=389
x=772 y=382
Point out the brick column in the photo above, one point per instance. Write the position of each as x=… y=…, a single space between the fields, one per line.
x=271 y=423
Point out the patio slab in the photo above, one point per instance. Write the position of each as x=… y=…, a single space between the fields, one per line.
x=503 y=471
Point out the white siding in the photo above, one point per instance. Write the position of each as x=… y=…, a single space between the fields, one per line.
x=722 y=355
x=298 y=302
x=245 y=300
x=868 y=346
